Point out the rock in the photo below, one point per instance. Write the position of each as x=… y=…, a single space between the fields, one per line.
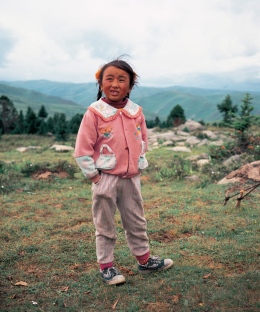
x=192 y=140
x=211 y=135
x=197 y=157
x=228 y=181
x=204 y=142
x=202 y=162
x=231 y=160
x=182 y=133
x=217 y=143
x=249 y=171
x=191 y=125
x=180 y=149
x=192 y=178
x=62 y=148
x=167 y=143
x=25 y=149
x=155 y=144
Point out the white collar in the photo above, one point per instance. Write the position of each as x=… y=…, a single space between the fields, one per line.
x=107 y=111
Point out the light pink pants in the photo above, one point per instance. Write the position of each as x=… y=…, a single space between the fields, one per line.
x=110 y=193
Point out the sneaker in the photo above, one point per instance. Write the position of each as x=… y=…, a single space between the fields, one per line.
x=155 y=264
x=112 y=276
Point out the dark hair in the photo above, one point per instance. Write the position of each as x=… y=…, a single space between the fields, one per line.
x=119 y=64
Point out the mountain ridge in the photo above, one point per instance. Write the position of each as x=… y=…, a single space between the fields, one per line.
x=72 y=98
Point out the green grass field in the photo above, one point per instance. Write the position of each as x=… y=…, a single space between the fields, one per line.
x=48 y=260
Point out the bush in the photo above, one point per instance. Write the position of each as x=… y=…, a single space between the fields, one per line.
x=177 y=168
x=62 y=166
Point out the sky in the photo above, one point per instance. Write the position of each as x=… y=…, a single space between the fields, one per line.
x=167 y=42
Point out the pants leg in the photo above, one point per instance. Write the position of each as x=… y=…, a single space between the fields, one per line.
x=110 y=193
x=103 y=211
x=130 y=205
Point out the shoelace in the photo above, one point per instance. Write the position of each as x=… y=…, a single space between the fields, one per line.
x=111 y=272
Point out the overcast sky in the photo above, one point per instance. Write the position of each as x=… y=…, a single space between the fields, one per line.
x=167 y=40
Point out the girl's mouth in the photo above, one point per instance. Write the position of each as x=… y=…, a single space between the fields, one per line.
x=114 y=92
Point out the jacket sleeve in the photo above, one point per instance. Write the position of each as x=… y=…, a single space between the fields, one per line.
x=144 y=134
x=85 y=143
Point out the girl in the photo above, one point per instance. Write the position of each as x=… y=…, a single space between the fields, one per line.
x=110 y=150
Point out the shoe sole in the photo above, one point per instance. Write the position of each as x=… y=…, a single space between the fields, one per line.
x=116 y=281
x=166 y=267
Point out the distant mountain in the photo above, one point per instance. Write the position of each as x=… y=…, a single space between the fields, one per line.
x=22 y=98
x=71 y=98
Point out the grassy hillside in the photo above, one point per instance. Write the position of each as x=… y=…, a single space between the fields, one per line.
x=47 y=237
x=22 y=98
x=197 y=103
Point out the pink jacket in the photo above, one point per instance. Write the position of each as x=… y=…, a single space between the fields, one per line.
x=112 y=140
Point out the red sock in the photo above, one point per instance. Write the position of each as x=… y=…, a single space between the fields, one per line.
x=144 y=258
x=104 y=266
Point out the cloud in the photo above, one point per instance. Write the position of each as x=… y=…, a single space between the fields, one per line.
x=166 y=40
x=7 y=43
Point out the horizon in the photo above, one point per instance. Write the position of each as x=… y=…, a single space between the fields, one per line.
x=173 y=43
x=237 y=88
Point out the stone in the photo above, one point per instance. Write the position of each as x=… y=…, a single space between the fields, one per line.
x=211 y=135
x=202 y=162
x=62 y=148
x=167 y=143
x=231 y=160
x=180 y=149
x=192 y=140
x=25 y=149
x=191 y=125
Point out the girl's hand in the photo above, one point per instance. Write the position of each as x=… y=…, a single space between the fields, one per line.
x=96 y=178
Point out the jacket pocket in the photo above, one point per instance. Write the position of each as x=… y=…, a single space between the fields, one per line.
x=106 y=161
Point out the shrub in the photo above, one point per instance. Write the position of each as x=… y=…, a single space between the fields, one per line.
x=61 y=166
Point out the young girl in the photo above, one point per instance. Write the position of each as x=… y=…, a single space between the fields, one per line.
x=110 y=150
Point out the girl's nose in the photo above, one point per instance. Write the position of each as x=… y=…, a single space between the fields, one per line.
x=114 y=83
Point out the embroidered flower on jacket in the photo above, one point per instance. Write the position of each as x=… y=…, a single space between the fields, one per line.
x=107 y=132
x=138 y=133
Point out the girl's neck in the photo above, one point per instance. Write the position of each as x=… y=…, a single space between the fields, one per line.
x=116 y=105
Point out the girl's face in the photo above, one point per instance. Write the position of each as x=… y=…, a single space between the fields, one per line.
x=115 y=84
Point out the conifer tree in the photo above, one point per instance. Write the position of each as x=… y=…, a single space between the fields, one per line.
x=62 y=132
x=20 y=125
x=31 y=121
x=8 y=115
x=74 y=123
x=227 y=108
x=176 y=116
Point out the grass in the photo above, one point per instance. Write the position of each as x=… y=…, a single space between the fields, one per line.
x=47 y=241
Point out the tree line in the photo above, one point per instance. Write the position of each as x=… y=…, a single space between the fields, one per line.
x=12 y=122
x=241 y=119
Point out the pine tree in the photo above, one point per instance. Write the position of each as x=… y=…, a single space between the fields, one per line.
x=31 y=121
x=42 y=113
x=243 y=120
x=20 y=125
x=74 y=123
x=62 y=132
x=227 y=108
x=176 y=116
x=8 y=115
